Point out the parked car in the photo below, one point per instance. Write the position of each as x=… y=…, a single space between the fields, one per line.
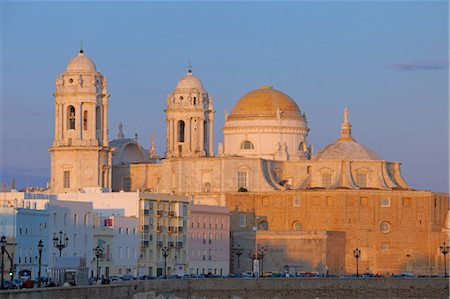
x=404 y=275
x=128 y=277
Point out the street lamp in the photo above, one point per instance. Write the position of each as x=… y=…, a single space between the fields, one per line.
x=261 y=254
x=444 y=250
x=98 y=253
x=238 y=251
x=60 y=242
x=40 y=247
x=2 y=245
x=357 y=254
x=165 y=253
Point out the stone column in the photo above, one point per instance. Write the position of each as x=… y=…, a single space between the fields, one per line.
x=57 y=126
x=202 y=134
x=211 y=127
x=187 y=135
x=80 y=122
x=105 y=120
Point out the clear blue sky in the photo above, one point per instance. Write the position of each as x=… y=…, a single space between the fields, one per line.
x=386 y=61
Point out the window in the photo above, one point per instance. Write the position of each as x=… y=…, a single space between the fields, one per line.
x=384 y=246
x=242 y=220
x=75 y=219
x=297 y=226
x=74 y=240
x=65 y=219
x=385 y=227
x=66 y=179
x=180 y=131
x=296 y=201
x=361 y=180
x=120 y=252
x=326 y=180
x=120 y=230
x=126 y=184
x=71 y=117
x=85 y=120
x=385 y=202
x=247 y=145
x=85 y=219
x=127 y=231
x=406 y=201
x=242 y=179
x=301 y=147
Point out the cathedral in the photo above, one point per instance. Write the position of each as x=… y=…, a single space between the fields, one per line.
x=309 y=211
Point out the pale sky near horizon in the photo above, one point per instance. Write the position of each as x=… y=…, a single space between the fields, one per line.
x=387 y=61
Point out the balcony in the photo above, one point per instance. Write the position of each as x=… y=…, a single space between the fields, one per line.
x=170 y=244
x=171 y=229
x=171 y=213
x=180 y=229
x=158 y=229
x=159 y=243
x=159 y=213
x=179 y=245
x=144 y=243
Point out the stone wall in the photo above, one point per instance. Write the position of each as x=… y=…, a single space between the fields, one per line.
x=251 y=288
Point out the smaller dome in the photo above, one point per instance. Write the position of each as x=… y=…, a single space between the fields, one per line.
x=190 y=82
x=81 y=63
x=346 y=150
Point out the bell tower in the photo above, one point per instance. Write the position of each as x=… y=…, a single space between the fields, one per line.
x=80 y=155
x=189 y=120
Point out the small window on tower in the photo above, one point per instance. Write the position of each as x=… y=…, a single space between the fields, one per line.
x=71 y=117
x=247 y=145
x=85 y=120
x=67 y=179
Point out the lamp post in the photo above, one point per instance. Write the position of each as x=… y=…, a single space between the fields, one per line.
x=98 y=253
x=165 y=253
x=40 y=247
x=238 y=251
x=357 y=254
x=255 y=264
x=60 y=242
x=2 y=245
x=261 y=254
x=444 y=250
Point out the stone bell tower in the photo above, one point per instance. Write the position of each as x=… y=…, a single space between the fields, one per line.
x=80 y=155
x=189 y=120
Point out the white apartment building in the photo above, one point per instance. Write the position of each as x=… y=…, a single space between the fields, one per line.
x=209 y=240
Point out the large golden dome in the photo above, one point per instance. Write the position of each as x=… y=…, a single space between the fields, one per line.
x=265 y=102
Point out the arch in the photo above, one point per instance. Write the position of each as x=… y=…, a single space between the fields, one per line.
x=246 y=144
x=302 y=147
x=71 y=117
x=98 y=120
x=296 y=225
x=180 y=131
x=85 y=120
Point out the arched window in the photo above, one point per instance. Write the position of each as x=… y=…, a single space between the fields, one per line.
x=361 y=179
x=301 y=147
x=85 y=120
x=180 y=131
x=71 y=117
x=98 y=121
x=247 y=145
x=296 y=226
x=326 y=180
